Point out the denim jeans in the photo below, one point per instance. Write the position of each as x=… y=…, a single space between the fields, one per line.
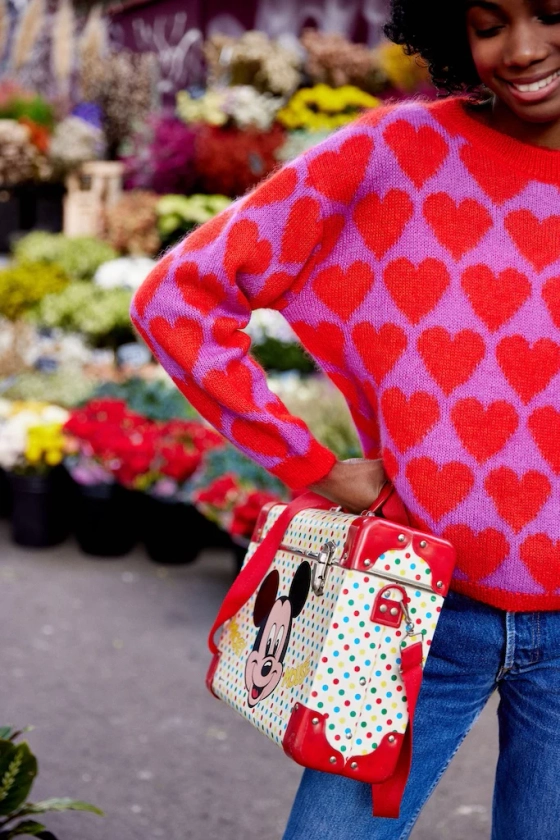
x=476 y=650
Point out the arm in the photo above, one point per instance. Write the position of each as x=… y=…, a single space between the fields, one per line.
x=192 y=309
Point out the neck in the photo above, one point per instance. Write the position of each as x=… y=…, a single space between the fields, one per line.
x=499 y=117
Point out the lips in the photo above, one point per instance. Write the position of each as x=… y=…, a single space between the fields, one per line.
x=534 y=84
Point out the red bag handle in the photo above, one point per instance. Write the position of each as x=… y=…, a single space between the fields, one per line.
x=251 y=576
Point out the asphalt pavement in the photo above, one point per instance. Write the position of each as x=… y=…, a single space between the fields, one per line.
x=107 y=659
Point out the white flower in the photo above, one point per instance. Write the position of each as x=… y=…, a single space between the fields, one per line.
x=251 y=109
x=127 y=272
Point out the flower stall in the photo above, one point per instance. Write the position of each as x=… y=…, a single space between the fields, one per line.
x=95 y=441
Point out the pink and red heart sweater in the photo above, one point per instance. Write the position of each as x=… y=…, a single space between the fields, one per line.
x=416 y=254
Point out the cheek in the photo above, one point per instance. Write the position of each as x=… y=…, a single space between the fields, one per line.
x=485 y=56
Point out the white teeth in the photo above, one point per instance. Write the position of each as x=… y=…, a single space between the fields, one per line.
x=537 y=85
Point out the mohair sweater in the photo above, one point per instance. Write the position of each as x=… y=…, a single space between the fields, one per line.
x=416 y=254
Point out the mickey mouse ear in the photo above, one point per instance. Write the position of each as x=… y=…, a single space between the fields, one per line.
x=299 y=590
x=266 y=597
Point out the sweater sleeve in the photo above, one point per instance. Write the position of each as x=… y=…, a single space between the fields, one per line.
x=193 y=307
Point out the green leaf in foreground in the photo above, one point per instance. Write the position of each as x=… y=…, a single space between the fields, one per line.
x=30 y=828
x=60 y=804
x=18 y=768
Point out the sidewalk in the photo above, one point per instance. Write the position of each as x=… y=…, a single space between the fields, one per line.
x=107 y=658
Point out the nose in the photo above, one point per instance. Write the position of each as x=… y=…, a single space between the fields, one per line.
x=266 y=669
x=525 y=45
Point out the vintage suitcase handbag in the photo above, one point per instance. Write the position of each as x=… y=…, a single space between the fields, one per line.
x=325 y=634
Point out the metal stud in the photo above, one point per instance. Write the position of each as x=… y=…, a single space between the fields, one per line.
x=439 y=584
x=391 y=739
x=296 y=707
x=401 y=538
x=332 y=759
x=315 y=721
x=354 y=765
x=363 y=681
x=383 y=608
x=367 y=563
x=349 y=736
x=394 y=611
x=423 y=544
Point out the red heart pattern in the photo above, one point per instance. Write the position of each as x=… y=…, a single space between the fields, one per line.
x=409 y=419
x=518 y=499
x=484 y=431
x=542 y=557
x=451 y=360
x=544 y=425
x=538 y=241
x=551 y=296
x=439 y=488
x=416 y=290
x=344 y=291
x=379 y=349
x=500 y=188
x=459 y=227
x=394 y=253
x=381 y=221
x=529 y=368
x=419 y=151
x=495 y=297
x=489 y=546
x=353 y=157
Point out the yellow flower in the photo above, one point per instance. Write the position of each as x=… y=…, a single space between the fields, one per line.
x=53 y=457
x=324 y=108
x=404 y=72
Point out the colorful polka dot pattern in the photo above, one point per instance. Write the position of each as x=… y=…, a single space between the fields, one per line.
x=349 y=665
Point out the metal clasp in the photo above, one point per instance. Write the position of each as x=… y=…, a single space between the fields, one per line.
x=320 y=566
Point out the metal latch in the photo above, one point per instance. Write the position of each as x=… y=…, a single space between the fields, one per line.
x=320 y=565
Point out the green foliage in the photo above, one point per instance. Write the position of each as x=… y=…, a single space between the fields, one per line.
x=68 y=386
x=102 y=315
x=179 y=214
x=24 y=285
x=79 y=258
x=35 y=108
x=279 y=356
x=228 y=460
x=156 y=399
x=18 y=769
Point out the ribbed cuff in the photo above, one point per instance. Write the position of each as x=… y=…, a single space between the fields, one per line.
x=303 y=471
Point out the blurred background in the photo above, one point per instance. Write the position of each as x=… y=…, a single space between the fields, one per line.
x=124 y=517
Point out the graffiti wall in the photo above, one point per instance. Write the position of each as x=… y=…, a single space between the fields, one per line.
x=174 y=29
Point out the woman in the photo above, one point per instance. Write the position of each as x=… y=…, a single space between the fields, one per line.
x=416 y=254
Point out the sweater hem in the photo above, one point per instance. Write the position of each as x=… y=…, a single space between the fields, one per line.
x=504 y=600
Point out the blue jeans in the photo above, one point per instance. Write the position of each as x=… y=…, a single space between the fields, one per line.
x=476 y=650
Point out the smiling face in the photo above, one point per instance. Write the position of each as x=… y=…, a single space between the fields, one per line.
x=515 y=46
x=264 y=667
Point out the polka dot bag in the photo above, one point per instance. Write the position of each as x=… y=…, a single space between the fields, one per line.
x=325 y=633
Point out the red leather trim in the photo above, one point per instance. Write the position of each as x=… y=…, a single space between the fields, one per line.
x=379 y=765
x=382 y=599
x=368 y=537
x=307 y=743
x=211 y=673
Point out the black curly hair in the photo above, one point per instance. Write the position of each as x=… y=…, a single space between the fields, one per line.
x=436 y=31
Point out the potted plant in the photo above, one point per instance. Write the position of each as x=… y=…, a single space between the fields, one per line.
x=31 y=452
x=18 y=769
x=98 y=435
x=173 y=529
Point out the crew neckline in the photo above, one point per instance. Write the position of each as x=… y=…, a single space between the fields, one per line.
x=543 y=163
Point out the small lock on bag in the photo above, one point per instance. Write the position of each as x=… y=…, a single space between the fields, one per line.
x=326 y=631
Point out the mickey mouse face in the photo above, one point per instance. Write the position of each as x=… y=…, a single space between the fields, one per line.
x=273 y=616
